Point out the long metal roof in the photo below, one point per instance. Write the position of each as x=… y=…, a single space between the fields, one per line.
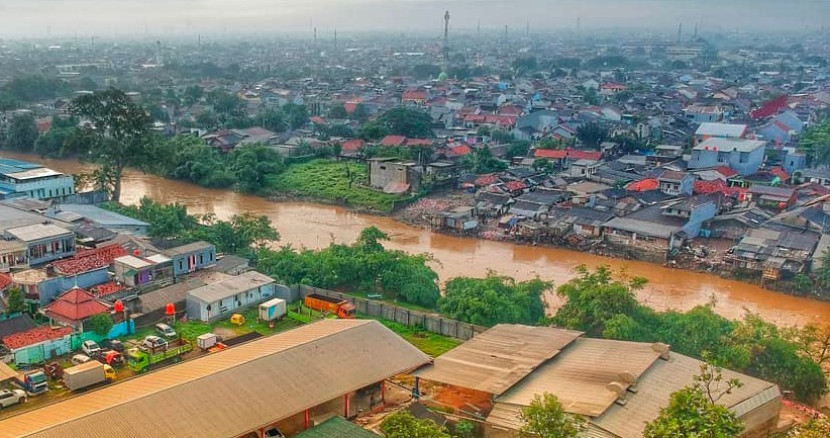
x=231 y=392
x=499 y=358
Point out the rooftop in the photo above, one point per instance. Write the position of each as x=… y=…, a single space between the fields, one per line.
x=89 y=260
x=336 y=427
x=181 y=399
x=32 y=233
x=721 y=130
x=730 y=145
x=32 y=337
x=232 y=286
x=75 y=305
x=186 y=249
x=104 y=218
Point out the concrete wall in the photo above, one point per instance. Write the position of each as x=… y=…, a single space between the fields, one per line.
x=700 y=214
x=51 y=288
x=203 y=259
x=379 y=309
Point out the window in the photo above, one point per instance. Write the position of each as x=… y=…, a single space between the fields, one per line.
x=210 y=256
x=201 y=259
x=744 y=157
x=181 y=264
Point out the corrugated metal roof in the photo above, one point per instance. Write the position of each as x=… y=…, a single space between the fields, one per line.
x=6 y=373
x=230 y=287
x=337 y=427
x=36 y=232
x=228 y=393
x=190 y=247
x=497 y=359
x=579 y=375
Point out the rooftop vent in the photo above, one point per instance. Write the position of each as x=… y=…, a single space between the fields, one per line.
x=618 y=389
x=663 y=349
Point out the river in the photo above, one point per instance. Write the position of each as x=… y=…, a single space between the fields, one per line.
x=315 y=226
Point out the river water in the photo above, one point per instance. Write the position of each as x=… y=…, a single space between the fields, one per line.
x=315 y=226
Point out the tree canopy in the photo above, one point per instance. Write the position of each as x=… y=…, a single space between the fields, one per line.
x=545 y=417
x=815 y=142
x=591 y=134
x=495 y=299
x=404 y=121
x=402 y=424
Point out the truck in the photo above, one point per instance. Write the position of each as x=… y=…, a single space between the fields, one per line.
x=35 y=382
x=140 y=360
x=207 y=341
x=342 y=308
x=87 y=374
x=272 y=309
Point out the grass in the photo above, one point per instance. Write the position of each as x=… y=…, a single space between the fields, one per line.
x=393 y=302
x=430 y=343
x=328 y=181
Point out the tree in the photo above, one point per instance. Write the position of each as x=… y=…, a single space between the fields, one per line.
x=297 y=115
x=545 y=417
x=591 y=134
x=253 y=165
x=542 y=165
x=483 y=161
x=22 y=133
x=813 y=341
x=119 y=128
x=517 y=148
x=408 y=122
x=101 y=323
x=465 y=429
x=823 y=273
x=338 y=111
x=815 y=142
x=495 y=299
x=815 y=428
x=360 y=113
x=273 y=120
x=694 y=412
x=16 y=303
x=402 y=424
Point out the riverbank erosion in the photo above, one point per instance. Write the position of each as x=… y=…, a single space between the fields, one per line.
x=315 y=226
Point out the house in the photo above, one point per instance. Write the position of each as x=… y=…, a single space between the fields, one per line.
x=587 y=221
x=22 y=179
x=219 y=300
x=704 y=113
x=97 y=216
x=152 y=306
x=774 y=198
x=774 y=251
x=695 y=210
x=744 y=156
x=583 y=168
x=647 y=229
x=133 y=270
x=493 y=204
x=191 y=257
x=460 y=219
x=675 y=183
x=391 y=175
x=668 y=152
x=39 y=344
x=719 y=130
x=817 y=176
x=529 y=209
x=564 y=157
x=44 y=242
x=735 y=224
x=73 y=308
x=337 y=427
x=416 y=97
x=393 y=141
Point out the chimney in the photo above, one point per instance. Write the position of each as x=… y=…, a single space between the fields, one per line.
x=618 y=389
x=663 y=349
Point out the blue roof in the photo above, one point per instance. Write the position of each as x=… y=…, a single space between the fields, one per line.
x=8 y=165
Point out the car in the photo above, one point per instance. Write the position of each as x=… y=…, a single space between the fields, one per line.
x=11 y=397
x=90 y=348
x=166 y=331
x=112 y=344
x=110 y=357
x=273 y=433
x=79 y=359
x=154 y=343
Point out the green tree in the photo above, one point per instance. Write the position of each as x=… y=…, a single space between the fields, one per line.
x=101 y=323
x=495 y=299
x=542 y=165
x=483 y=161
x=15 y=301
x=22 y=133
x=815 y=428
x=119 y=127
x=591 y=134
x=694 y=411
x=545 y=417
x=253 y=165
x=297 y=115
x=338 y=111
x=408 y=122
x=815 y=142
x=193 y=94
x=360 y=113
x=465 y=429
x=273 y=120
x=518 y=148
x=402 y=424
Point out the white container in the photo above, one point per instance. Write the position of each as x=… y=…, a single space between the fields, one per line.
x=207 y=340
x=272 y=309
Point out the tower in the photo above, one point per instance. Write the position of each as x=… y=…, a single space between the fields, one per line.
x=446 y=48
x=159 y=61
x=679 y=32
x=527 y=29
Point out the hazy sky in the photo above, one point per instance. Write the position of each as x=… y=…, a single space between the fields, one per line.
x=132 y=17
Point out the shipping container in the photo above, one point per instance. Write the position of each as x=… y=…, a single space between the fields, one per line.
x=272 y=309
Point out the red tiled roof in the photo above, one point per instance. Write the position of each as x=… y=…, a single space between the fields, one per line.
x=317 y=120
x=414 y=95
x=89 y=260
x=515 y=185
x=718 y=185
x=726 y=171
x=108 y=288
x=393 y=140
x=780 y=172
x=350 y=107
x=574 y=154
x=645 y=185
x=35 y=336
x=353 y=145
x=770 y=108
x=5 y=280
x=75 y=305
x=460 y=151
x=486 y=179
x=418 y=142
x=510 y=110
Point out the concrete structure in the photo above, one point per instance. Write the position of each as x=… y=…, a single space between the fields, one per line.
x=191 y=257
x=220 y=300
x=44 y=242
x=743 y=156
x=106 y=219
x=136 y=271
x=22 y=179
x=329 y=367
x=390 y=175
x=719 y=130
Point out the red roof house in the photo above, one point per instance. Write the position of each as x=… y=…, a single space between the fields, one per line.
x=770 y=108
x=460 y=151
x=414 y=96
x=5 y=280
x=75 y=306
x=393 y=140
x=353 y=145
x=90 y=260
x=35 y=336
x=645 y=185
x=573 y=154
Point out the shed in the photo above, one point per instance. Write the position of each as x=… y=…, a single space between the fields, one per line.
x=192 y=257
x=221 y=299
x=336 y=427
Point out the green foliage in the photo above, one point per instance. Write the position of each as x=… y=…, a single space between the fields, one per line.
x=273 y=120
x=495 y=299
x=15 y=303
x=517 y=148
x=430 y=343
x=545 y=417
x=402 y=424
x=404 y=121
x=338 y=112
x=815 y=428
x=483 y=161
x=364 y=265
x=21 y=134
x=334 y=182
x=465 y=429
x=253 y=166
x=101 y=323
x=823 y=274
x=815 y=142
x=591 y=134
x=32 y=88
x=295 y=115
x=693 y=411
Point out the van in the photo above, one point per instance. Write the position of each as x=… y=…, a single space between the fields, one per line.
x=166 y=331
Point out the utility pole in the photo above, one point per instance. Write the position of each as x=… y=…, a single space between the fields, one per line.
x=679 y=32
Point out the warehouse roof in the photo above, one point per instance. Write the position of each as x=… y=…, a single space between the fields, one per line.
x=157 y=299
x=258 y=383
x=337 y=427
x=721 y=130
x=104 y=218
x=729 y=145
x=37 y=232
x=499 y=358
x=186 y=249
x=230 y=287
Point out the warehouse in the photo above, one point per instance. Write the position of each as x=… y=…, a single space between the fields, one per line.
x=308 y=372
x=219 y=300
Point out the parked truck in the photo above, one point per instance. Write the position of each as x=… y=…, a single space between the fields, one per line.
x=35 y=382
x=87 y=374
x=272 y=309
x=141 y=359
x=342 y=308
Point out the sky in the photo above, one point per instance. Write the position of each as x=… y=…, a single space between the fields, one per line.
x=41 y=18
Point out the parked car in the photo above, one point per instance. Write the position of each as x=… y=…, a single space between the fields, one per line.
x=110 y=357
x=79 y=359
x=11 y=397
x=90 y=348
x=154 y=343
x=273 y=433
x=112 y=344
x=166 y=331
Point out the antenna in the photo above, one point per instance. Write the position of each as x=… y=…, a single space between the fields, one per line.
x=679 y=32
x=315 y=36
x=159 y=60
x=694 y=37
x=446 y=41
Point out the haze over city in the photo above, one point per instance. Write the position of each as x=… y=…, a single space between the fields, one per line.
x=41 y=18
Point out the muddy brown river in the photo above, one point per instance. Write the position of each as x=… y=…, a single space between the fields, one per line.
x=314 y=226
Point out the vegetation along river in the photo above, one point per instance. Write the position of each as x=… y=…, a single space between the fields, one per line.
x=315 y=226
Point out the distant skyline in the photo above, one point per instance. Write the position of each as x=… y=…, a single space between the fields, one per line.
x=121 y=18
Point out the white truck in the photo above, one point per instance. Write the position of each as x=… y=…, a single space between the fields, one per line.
x=272 y=309
x=87 y=374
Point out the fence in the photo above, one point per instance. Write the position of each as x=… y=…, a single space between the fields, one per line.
x=379 y=309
